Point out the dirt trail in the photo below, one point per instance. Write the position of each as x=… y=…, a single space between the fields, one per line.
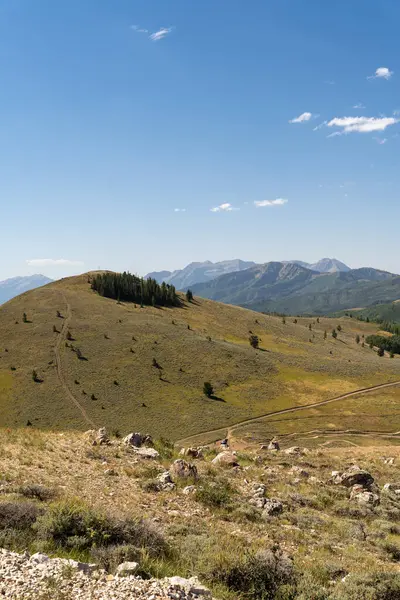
x=60 y=340
x=229 y=430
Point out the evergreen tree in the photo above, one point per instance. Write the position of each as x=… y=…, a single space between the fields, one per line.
x=358 y=339
x=334 y=334
x=129 y=288
x=24 y=318
x=325 y=335
x=284 y=320
x=339 y=327
x=381 y=351
x=208 y=389
x=189 y=295
x=254 y=341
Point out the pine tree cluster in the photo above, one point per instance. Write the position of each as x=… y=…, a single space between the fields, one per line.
x=129 y=288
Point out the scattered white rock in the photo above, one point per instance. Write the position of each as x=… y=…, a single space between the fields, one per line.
x=273 y=446
x=272 y=507
x=294 y=451
x=226 y=459
x=191 y=452
x=189 y=489
x=363 y=496
x=127 y=568
x=354 y=476
x=137 y=440
x=147 y=453
x=183 y=469
x=22 y=577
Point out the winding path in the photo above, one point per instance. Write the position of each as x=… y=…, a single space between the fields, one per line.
x=235 y=426
x=61 y=377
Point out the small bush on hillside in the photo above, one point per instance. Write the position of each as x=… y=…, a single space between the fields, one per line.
x=37 y=492
x=254 y=341
x=368 y=586
x=381 y=352
x=252 y=575
x=189 y=295
x=69 y=524
x=24 y=318
x=334 y=334
x=208 y=389
x=18 y=515
x=392 y=549
x=216 y=494
x=110 y=557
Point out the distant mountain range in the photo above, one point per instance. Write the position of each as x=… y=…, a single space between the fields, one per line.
x=291 y=288
x=9 y=288
x=199 y=272
x=325 y=265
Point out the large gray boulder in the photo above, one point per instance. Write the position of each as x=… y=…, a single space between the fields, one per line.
x=182 y=469
x=225 y=459
x=354 y=476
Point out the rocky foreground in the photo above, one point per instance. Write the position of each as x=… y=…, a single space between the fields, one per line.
x=38 y=577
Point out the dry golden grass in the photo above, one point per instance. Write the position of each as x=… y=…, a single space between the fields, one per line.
x=288 y=370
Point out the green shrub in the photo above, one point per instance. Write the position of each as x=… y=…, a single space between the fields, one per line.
x=18 y=515
x=215 y=494
x=253 y=575
x=392 y=549
x=73 y=525
x=16 y=521
x=37 y=492
x=368 y=586
x=109 y=557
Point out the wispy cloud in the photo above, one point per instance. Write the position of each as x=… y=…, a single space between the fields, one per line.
x=380 y=141
x=139 y=29
x=330 y=82
x=277 y=202
x=160 y=34
x=154 y=37
x=179 y=209
x=360 y=124
x=226 y=207
x=306 y=116
x=54 y=262
x=359 y=106
x=320 y=126
x=381 y=73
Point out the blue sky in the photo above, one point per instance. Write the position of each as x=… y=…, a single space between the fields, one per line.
x=116 y=113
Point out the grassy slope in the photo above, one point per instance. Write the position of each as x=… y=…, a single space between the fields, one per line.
x=290 y=370
x=327 y=535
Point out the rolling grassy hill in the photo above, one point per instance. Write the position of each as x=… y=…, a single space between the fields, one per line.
x=293 y=289
x=114 y=383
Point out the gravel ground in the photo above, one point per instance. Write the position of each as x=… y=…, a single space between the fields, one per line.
x=37 y=577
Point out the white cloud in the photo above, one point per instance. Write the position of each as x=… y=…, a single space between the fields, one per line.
x=320 y=125
x=179 y=209
x=306 y=116
x=53 y=262
x=226 y=207
x=359 y=106
x=277 y=202
x=381 y=73
x=380 y=141
x=360 y=124
x=139 y=29
x=160 y=34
